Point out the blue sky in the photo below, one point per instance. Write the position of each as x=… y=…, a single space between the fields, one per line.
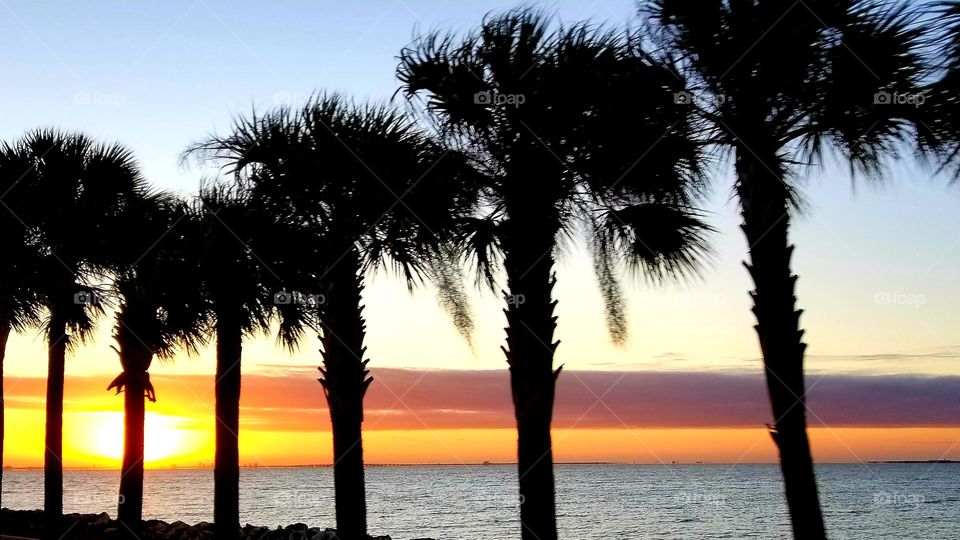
x=878 y=265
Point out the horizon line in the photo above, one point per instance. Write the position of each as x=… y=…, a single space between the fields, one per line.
x=499 y=463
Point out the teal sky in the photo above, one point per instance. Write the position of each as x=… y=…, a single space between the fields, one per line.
x=878 y=266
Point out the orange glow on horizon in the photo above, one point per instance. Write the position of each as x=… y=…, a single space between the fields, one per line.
x=284 y=422
x=94 y=440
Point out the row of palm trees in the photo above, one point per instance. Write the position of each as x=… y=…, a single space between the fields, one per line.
x=517 y=136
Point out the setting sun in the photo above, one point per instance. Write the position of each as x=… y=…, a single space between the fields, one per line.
x=100 y=440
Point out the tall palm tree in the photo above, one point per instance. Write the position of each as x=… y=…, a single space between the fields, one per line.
x=79 y=190
x=240 y=254
x=373 y=191
x=780 y=84
x=543 y=112
x=19 y=302
x=161 y=309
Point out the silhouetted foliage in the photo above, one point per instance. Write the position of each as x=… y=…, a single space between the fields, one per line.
x=239 y=248
x=575 y=130
x=939 y=126
x=778 y=84
x=372 y=191
x=80 y=189
x=20 y=303
x=161 y=308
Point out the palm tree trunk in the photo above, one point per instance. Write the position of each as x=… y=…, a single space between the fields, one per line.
x=4 y=335
x=764 y=200
x=130 y=506
x=53 y=453
x=345 y=383
x=530 y=348
x=226 y=473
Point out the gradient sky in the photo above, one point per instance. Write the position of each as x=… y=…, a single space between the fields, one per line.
x=877 y=267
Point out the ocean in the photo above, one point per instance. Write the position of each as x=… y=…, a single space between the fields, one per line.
x=876 y=501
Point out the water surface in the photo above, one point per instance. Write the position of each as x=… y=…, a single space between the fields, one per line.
x=879 y=501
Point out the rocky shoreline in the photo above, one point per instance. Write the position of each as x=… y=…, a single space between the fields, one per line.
x=28 y=523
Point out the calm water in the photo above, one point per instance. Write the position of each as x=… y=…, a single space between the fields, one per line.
x=595 y=501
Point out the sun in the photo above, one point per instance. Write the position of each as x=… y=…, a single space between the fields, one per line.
x=162 y=437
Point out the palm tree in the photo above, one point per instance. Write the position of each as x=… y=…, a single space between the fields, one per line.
x=374 y=192
x=19 y=303
x=160 y=310
x=240 y=252
x=79 y=190
x=543 y=112
x=938 y=129
x=780 y=84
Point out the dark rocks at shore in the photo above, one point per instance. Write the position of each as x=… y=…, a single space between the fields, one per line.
x=28 y=523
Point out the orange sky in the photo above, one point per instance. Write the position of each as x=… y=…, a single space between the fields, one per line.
x=686 y=387
x=426 y=416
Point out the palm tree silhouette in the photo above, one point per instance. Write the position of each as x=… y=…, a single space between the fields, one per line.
x=161 y=309
x=239 y=248
x=779 y=84
x=938 y=128
x=374 y=192
x=80 y=189
x=542 y=113
x=19 y=302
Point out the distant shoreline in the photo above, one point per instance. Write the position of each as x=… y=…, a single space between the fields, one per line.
x=496 y=464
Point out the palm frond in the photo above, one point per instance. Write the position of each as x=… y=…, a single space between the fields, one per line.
x=656 y=240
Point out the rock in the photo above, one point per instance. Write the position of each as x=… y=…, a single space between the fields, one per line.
x=102 y=527
x=100 y=521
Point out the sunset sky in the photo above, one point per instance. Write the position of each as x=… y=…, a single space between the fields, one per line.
x=878 y=269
